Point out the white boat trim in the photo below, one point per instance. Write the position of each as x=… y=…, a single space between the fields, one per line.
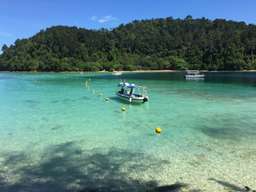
x=194 y=75
x=117 y=73
x=132 y=98
x=132 y=93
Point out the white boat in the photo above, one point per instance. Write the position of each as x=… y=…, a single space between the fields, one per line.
x=117 y=73
x=132 y=93
x=194 y=75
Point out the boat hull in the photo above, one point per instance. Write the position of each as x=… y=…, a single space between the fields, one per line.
x=194 y=77
x=132 y=98
x=117 y=73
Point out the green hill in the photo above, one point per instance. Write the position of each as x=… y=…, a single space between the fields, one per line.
x=147 y=44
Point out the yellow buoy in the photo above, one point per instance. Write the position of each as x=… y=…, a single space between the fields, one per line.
x=158 y=130
x=123 y=109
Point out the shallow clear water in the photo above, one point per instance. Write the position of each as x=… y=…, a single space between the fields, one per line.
x=56 y=134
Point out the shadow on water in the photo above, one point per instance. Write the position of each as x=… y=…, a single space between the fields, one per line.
x=228 y=128
x=225 y=133
x=144 y=76
x=248 y=78
x=66 y=168
x=232 y=187
x=228 y=133
x=118 y=100
x=70 y=100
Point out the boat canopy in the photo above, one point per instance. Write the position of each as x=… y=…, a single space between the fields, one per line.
x=193 y=72
x=128 y=85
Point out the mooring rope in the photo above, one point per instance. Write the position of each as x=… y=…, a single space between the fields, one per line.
x=100 y=94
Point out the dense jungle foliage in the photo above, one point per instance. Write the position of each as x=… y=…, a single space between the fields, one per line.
x=147 y=44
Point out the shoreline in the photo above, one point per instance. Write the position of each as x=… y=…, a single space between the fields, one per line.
x=135 y=71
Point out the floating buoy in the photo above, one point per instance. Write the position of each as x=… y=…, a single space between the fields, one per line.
x=123 y=109
x=158 y=130
x=106 y=99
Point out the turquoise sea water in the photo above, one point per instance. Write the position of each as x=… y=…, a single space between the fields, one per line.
x=56 y=134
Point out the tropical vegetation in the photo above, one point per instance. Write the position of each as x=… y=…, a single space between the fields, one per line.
x=146 y=44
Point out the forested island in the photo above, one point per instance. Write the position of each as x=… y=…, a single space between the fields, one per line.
x=167 y=43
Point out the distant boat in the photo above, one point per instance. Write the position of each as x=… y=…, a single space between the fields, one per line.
x=132 y=93
x=117 y=73
x=194 y=75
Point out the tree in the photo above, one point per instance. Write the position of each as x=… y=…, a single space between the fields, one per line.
x=4 y=47
x=147 y=44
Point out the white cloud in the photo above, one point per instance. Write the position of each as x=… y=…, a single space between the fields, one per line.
x=104 y=19
x=94 y=18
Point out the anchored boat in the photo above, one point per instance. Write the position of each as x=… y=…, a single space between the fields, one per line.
x=132 y=93
x=194 y=75
x=117 y=73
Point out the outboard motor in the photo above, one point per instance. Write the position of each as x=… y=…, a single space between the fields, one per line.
x=145 y=99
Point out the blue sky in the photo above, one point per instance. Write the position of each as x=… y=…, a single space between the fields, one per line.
x=23 y=18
